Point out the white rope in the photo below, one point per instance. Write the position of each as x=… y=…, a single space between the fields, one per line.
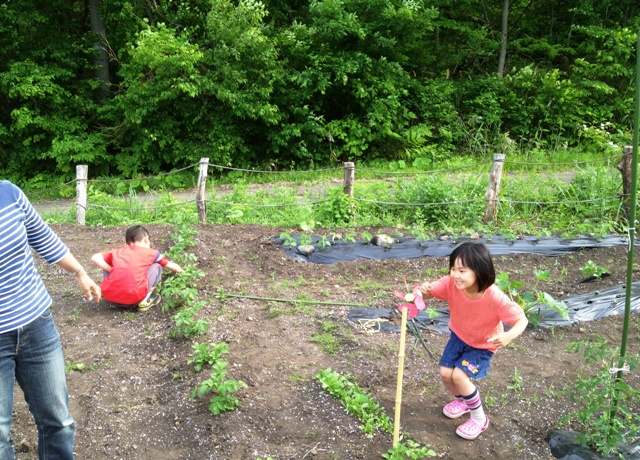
x=615 y=370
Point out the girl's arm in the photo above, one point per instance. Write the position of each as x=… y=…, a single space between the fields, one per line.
x=504 y=338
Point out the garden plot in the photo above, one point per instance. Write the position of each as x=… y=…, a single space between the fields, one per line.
x=132 y=400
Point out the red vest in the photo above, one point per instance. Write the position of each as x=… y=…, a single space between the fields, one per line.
x=127 y=283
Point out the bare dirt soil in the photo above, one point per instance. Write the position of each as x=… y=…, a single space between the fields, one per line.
x=132 y=400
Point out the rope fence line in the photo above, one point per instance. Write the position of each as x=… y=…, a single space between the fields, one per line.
x=47 y=190
x=173 y=205
x=371 y=171
x=501 y=200
x=397 y=203
x=145 y=177
x=282 y=205
x=491 y=198
x=566 y=163
x=138 y=208
x=274 y=172
x=594 y=200
x=431 y=171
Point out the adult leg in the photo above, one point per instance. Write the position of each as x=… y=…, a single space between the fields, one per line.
x=40 y=373
x=7 y=381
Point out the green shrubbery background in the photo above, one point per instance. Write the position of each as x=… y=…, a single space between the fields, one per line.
x=282 y=85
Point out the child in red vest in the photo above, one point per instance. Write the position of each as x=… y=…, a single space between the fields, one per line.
x=132 y=272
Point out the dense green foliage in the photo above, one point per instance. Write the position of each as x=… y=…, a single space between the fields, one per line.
x=298 y=84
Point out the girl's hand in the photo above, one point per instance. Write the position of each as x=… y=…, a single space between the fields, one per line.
x=500 y=340
x=504 y=338
x=425 y=288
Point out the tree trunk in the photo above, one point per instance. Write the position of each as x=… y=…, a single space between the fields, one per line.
x=503 y=44
x=102 y=61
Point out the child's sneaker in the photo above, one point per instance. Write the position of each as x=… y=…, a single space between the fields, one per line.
x=150 y=301
x=472 y=429
x=455 y=409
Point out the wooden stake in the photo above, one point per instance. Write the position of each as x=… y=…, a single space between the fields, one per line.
x=82 y=173
x=493 y=189
x=201 y=202
x=349 y=177
x=396 y=420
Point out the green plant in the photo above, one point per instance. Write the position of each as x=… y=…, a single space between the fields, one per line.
x=366 y=237
x=530 y=301
x=180 y=289
x=607 y=414
x=590 y=270
x=409 y=450
x=356 y=401
x=516 y=382
x=328 y=341
x=287 y=240
x=324 y=241
x=350 y=237
x=489 y=399
x=305 y=239
x=206 y=354
x=210 y=354
x=73 y=367
x=186 y=324
x=182 y=239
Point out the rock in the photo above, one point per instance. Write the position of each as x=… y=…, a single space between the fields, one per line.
x=306 y=249
x=382 y=240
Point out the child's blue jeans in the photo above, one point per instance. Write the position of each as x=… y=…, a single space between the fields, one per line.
x=32 y=355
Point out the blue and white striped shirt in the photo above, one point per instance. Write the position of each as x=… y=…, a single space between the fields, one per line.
x=23 y=296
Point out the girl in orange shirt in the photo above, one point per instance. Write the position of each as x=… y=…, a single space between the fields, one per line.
x=478 y=309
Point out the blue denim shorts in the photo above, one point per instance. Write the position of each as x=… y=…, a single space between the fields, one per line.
x=473 y=361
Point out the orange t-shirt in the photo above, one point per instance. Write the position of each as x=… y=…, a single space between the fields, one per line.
x=477 y=320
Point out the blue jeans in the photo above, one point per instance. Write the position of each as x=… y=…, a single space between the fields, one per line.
x=32 y=355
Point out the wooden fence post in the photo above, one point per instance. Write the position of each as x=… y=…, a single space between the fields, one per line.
x=493 y=190
x=625 y=169
x=82 y=173
x=200 y=194
x=349 y=177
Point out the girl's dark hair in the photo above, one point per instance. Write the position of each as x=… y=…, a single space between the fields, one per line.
x=476 y=257
x=135 y=233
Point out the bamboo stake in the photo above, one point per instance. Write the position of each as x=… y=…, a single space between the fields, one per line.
x=396 y=421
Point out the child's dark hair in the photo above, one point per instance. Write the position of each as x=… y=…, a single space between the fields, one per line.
x=135 y=234
x=476 y=257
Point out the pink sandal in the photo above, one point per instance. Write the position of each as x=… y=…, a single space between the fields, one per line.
x=471 y=430
x=455 y=409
